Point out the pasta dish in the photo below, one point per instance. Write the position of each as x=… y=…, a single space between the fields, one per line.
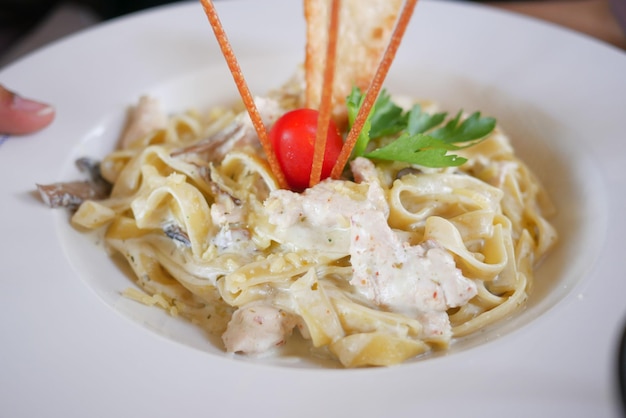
x=392 y=261
x=369 y=239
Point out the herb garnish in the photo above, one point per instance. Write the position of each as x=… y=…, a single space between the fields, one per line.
x=420 y=138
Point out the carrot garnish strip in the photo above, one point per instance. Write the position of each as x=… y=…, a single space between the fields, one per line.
x=244 y=91
x=374 y=88
x=325 y=110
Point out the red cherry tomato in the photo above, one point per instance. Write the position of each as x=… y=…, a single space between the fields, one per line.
x=293 y=140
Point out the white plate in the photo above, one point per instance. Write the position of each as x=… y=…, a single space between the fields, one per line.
x=68 y=348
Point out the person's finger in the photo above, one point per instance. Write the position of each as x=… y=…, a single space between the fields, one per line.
x=19 y=116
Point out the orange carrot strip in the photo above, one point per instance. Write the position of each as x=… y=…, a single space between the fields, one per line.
x=374 y=88
x=244 y=91
x=325 y=109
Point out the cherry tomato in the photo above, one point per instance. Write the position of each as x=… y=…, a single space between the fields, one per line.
x=293 y=140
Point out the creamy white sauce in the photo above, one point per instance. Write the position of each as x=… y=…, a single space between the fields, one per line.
x=319 y=218
x=418 y=280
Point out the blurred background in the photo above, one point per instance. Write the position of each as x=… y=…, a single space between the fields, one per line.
x=26 y=25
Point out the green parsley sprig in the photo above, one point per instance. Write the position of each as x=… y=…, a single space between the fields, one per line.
x=420 y=137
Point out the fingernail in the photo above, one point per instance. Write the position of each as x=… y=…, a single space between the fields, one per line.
x=31 y=106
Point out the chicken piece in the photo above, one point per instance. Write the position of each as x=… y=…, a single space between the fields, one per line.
x=319 y=218
x=147 y=116
x=364 y=32
x=419 y=280
x=256 y=328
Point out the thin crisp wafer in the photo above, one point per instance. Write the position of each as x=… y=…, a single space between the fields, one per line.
x=365 y=30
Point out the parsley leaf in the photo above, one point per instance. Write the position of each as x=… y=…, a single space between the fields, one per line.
x=420 y=149
x=419 y=140
x=474 y=127
x=420 y=121
x=354 y=102
x=387 y=118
